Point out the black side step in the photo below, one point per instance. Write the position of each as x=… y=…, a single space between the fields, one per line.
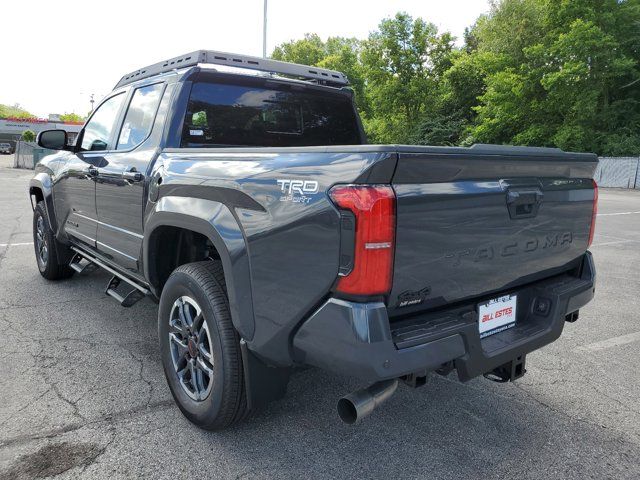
x=81 y=265
x=126 y=298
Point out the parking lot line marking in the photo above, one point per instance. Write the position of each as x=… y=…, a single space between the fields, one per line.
x=617 y=242
x=610 y=342
x=15 y=244
x=618 y=213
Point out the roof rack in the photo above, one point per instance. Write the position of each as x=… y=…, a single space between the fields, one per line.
x=321 y=75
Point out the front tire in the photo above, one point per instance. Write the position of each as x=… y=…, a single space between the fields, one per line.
x=200 y=348
x=47 y=247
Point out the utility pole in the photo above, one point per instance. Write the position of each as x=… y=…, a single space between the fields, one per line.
x=264 y=31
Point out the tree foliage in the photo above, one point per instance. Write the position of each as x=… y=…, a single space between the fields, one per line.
x=72 y=118
x=576 y=82
x=337 y=53
x=404 y=63
x=560 y=73
x=15 y=111
x=28 y=136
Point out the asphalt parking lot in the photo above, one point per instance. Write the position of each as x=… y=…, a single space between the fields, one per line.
x=82 y=393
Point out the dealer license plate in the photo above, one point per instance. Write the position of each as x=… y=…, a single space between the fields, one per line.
x=497 y=315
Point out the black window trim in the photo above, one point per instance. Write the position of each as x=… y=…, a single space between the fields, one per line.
x=117 y=120
x=122 y=118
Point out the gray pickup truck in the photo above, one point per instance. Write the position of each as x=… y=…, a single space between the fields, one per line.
x=245 y=201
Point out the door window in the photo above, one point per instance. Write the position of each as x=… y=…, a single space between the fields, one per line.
x=140 y=115
x=98 y=131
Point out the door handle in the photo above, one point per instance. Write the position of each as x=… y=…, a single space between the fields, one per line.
x=524 y=197
x=91 y=171
x=132 y=175
x=524 y=203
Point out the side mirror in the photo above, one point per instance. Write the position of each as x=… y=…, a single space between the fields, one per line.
x=97 y=146
x=53 y=139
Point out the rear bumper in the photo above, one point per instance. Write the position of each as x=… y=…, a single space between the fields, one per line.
x=356 y=339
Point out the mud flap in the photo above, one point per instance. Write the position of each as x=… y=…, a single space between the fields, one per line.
x=263 y=383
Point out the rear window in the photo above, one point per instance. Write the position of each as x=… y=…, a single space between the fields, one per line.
x=225 y=115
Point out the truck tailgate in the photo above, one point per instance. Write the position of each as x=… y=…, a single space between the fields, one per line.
x=471 y=222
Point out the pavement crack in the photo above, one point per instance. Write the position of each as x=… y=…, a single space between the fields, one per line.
x=141 y=373
x=109 y=419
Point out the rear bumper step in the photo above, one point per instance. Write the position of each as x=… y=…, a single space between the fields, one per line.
x=357 y=339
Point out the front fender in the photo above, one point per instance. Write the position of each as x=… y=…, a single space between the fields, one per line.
x=41 y=181
x=215 y=221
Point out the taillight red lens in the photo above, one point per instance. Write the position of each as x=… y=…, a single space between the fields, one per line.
x=374 y=208
x=592 y=229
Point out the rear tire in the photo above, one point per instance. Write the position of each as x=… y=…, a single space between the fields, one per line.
x=200 y=348
x=47 y=247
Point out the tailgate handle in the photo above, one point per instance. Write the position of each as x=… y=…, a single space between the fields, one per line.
x=524 y=203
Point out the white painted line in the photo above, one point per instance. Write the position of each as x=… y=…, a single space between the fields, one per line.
x=610 y=342
x=15 y=244
x=619 y=213
x=618 y=242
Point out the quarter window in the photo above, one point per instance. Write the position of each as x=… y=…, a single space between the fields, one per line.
x=140 y=115
x=98 y=131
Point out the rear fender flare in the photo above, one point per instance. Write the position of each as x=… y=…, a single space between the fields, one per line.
x=215 y=221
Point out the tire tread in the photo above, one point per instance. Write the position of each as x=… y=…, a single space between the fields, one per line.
x=54 y=269
x=210 y=277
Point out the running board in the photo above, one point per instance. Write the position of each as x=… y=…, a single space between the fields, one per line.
x=127 y=298
x=77 y=264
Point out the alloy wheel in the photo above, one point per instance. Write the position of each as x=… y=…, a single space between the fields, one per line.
x=191 y=351
x=41 y=242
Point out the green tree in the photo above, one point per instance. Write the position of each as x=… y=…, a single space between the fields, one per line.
x=28 y=136
x=72 y=117
x=403 y=62
x=337 y=53
x=560 y=73
x=573 y=81
x=461 y=87
x=15 y=111
x=308 y=51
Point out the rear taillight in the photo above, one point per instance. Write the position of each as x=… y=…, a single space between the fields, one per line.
x=592 y=229
x=374 y=211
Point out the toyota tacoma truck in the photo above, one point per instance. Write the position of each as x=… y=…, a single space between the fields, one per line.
x=240 y=194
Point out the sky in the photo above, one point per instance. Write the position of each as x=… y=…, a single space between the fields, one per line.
x=55 y=54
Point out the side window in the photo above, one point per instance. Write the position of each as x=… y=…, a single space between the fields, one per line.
x=140 y=115
x=255 y=115
x=98 y=130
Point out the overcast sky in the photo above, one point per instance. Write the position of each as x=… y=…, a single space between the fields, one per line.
x=54 y=54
